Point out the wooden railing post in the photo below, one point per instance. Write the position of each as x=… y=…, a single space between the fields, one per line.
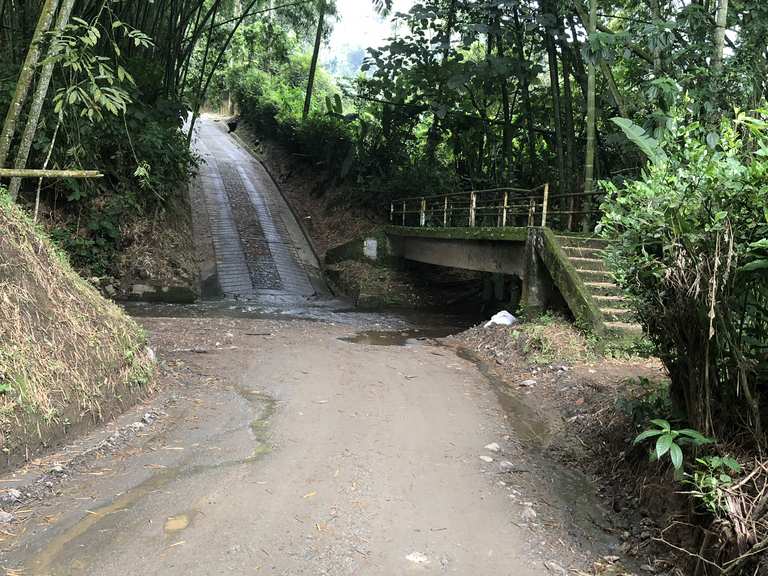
x=445 y=212
x=544 y=205
x=472 y=208
x=504 y=209
x=423 y=212
x=391 y=212
x=404 y=204
x=531 y=212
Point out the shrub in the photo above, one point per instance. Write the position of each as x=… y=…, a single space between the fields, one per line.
x=690 y=240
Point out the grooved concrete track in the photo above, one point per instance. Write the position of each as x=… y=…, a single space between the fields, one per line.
x=256 y=244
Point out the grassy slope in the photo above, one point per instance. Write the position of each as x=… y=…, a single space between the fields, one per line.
x=68 y=357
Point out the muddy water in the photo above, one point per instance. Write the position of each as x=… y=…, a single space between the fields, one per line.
x=574 y=489
x=411 y=337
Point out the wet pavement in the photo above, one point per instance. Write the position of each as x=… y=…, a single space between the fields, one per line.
x=259 y=248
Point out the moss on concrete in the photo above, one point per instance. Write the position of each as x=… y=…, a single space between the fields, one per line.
x=509 y=234
x=567 y=280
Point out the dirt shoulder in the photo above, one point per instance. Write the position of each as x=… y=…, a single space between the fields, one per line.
x=582 y=407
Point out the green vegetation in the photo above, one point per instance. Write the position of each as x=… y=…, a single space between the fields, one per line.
x=690 y=247
x=670 y=441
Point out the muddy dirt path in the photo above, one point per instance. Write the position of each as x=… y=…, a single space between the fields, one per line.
x=288 y=449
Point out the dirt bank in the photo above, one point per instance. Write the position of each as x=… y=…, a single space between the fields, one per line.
x=68 y=358
x=590 y=408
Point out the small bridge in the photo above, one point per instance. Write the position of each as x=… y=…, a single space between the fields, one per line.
x=526 y=233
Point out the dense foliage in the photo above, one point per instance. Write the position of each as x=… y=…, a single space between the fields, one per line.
x=691 y=246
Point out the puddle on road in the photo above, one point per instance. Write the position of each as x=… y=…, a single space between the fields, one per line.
x=412 y=337
x=179 y=522
x=529 y=425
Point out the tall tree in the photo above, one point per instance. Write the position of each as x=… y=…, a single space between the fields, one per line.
x=589 y=163
x=721 y=20
x=551 y=28
x=313 y=64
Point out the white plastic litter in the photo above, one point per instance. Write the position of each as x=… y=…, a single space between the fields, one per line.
x=503 y=318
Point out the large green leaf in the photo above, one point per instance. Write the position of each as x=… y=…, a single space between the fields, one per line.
x=649 y=145
x=663 y=444
x=676 y=455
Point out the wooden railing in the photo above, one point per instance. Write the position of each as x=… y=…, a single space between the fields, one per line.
x=496 y=207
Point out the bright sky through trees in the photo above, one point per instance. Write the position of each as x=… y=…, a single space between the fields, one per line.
x=358 y=28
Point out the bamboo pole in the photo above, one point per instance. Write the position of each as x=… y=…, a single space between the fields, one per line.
x=38 y=99
x=29 y=173
x=423 y=212
x=544 y=206
x=26 y=76
x=472 y=209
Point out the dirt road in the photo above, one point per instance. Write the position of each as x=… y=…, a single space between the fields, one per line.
x=287 y=450
x=280 y=447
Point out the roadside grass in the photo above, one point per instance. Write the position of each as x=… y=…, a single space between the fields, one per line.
x=67 y=355
x=549 y=338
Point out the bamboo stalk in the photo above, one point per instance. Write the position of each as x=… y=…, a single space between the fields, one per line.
x=29 y=173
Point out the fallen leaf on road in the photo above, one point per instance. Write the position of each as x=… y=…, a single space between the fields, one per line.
x=310 y=495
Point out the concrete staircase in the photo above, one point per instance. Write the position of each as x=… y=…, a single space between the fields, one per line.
x=586 y=256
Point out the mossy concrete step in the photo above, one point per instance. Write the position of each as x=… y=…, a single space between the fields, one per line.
x=587 y=263
x=594 y=275
x=617 y=314
x=603 y=289
x=583 y=252
x=624 y=328
x=611 y=301
x=581 y=242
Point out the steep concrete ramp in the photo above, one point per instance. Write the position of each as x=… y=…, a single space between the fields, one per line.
x=249 y=241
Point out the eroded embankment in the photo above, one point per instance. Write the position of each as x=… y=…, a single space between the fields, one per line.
x=68 y=357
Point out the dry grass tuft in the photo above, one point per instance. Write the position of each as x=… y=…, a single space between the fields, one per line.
x=67 y=356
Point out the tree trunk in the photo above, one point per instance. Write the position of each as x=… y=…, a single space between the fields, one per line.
x=38 y=99
x=570 y=132
x=554 y=80
x=604 y=67
x=721 y=21
x=433 y=137
x=656 y=15
x=526 y=95
x=313 y=64
x=589 y=164
x=25 y=79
